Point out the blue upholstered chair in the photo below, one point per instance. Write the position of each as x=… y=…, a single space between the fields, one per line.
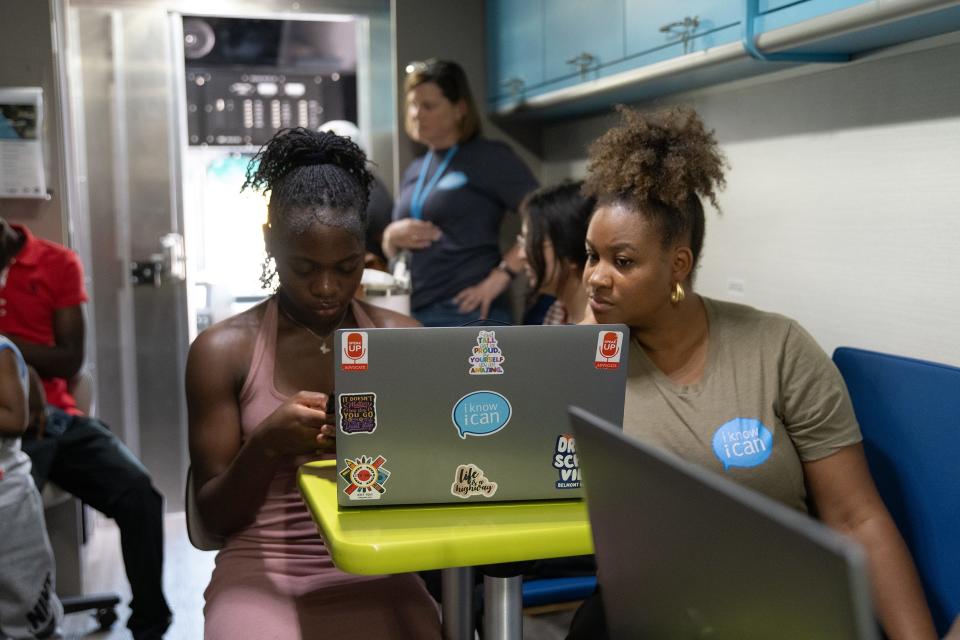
x=909 y=411
x=547 y=591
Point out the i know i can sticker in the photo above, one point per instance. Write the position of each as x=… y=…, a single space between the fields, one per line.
x=481 y=413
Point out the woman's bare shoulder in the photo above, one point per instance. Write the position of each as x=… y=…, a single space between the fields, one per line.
x=386 y=318
x=232 y=338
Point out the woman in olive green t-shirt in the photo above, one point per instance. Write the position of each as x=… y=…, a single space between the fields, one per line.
x=746 y=393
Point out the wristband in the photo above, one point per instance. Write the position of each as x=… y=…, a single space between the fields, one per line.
x=503 y=266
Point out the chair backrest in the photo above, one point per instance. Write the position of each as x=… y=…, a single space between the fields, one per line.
x=199 y=536
x=909 y=412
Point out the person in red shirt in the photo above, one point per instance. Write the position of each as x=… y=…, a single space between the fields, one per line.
x=41 y=312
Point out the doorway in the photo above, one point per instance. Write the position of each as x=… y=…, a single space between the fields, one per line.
x=172 y=244
x=245 y=79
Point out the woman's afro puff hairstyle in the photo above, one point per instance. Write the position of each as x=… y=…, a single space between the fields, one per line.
x=660 y=164
x=663 y=157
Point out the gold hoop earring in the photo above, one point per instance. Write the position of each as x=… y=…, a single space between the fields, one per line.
x=678 y=294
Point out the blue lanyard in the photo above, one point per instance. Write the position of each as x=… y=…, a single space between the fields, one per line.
x=419 y=192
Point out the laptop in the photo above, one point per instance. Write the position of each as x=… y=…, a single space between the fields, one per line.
x=685 y=553
x=469 y=414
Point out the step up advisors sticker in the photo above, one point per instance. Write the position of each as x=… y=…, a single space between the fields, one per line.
x=565 y=461
x=608 y=350
x=357 y=413
x=469 y=480
x=486 y=359
x=354 y=345
x=481 y=413
x=365 y=478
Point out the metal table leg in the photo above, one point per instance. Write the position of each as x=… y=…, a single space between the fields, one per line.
x=457 y=606
x=502 y=608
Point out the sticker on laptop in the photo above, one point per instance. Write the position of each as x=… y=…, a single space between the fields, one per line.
x=469 y=480
x=365 y=478
x=357 y=413
x=566 y=463
x=486 y=359
x=609 y=345
x=481 y=413
x=354 y=345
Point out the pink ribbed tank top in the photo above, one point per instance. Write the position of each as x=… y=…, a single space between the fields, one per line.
x=282 y=539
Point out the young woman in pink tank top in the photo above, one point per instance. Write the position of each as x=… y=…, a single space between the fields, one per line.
x=258 y=386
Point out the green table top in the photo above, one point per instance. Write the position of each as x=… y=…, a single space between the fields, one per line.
x=374 y=540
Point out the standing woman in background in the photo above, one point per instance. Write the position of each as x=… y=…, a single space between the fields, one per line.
x=452 y=203
x=259 y=389
x=551 y=241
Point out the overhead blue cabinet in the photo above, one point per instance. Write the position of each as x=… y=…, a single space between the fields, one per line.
x=774 y=14
x=539 y=48
x=515 y=42
x=682 y=26
x=581 y=35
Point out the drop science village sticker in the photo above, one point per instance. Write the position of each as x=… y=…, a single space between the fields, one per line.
x=486 y=359
x=566 y=463
x=609 y=345
x=365 y=478
x=357 y=413
x=481 y=413
x=469 y=480
x=354 y=346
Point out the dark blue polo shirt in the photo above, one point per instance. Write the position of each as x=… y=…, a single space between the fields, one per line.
x=484 y=180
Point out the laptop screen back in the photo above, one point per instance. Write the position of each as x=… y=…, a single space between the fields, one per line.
x=469 y=414
x=684 y=553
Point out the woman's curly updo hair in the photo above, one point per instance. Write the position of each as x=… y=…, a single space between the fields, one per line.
x=311 y=177
x=659 y=164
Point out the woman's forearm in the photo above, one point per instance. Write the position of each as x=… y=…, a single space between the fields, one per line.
x=897 y=592
x=230 y=500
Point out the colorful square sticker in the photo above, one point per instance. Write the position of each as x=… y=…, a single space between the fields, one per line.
x=365 y=477
x=357 y=412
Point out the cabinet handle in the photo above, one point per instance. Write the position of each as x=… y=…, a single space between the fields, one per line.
x=514 y=85
x=583 y=62
x=684 y=28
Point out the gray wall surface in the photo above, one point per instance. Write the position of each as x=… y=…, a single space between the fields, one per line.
x=842 y=207
x=26 y=60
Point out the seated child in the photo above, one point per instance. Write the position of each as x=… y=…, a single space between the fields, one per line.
x=29 y=608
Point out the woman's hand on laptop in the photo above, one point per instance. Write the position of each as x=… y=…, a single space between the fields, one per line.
x=300 y=426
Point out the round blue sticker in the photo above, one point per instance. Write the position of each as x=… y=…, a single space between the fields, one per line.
x=742 y=442
x=481 y=413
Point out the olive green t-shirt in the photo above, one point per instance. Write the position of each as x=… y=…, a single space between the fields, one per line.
x=769 y=399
